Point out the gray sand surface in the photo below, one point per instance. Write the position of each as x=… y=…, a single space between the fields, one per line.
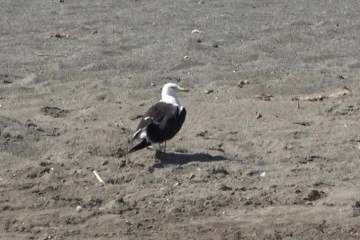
x=277 y=157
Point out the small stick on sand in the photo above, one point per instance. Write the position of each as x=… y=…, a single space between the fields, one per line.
x=98 y=177
x=48 y=54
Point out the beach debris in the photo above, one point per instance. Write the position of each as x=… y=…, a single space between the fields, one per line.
x=303 y=123
x=258 y=115
x=5 y=78
x=181 y=150
x=152 y=84
x=118 y=124
x=186 y=57
x=263 y=174
x=78 y=208
x=340 y=92
x=356 y=208
x=63 y=36
x=54 y=112
x=191 y=176
x=32 y=125
x=198 y=40
x=195 y=31
x=223 y=187
x=208 y=91
x=321 y=183
x=264 y=97
x=241 y=83
x=45 y=163
x=201 y=2
x=217 y=170
x=202 y=134
x=98 y=177
x=218 y=148
x=314 y=195
x=310 y=98
x=7 y=81
x=45 y=54
x=321 y=96
x=172 y=79
x=106 y=162
x=45 y=170
x=341 y=76
x=240 y=189
x=39 y=172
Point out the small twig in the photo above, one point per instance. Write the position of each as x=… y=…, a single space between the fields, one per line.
x=48 y=54
x=98 y=177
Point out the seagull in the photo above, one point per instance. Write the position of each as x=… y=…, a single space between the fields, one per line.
x=162 y=121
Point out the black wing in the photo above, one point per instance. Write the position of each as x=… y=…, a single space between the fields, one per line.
x=161 y=122
x=155 y=113
x=167 y=124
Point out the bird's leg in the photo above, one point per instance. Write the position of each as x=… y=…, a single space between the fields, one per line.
x=162 y=147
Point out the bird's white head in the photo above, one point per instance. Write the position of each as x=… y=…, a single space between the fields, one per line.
x=169 y=92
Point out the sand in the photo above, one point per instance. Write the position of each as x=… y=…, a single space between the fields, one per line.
x=274 y=157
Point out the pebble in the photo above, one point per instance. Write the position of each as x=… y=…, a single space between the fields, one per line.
x=78 y=208
x=220 y=170
x=223 y=187
x=258 y=115
x=106 y=162
x=314 y=195
x=242 y=83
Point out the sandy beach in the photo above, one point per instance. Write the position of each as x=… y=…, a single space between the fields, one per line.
x=270 y=148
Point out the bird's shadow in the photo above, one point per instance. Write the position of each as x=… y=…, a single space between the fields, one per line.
x=184 y=158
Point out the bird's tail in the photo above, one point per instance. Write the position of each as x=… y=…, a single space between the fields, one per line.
x=143 y=144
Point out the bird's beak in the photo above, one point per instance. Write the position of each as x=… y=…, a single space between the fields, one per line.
x=183 y=89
